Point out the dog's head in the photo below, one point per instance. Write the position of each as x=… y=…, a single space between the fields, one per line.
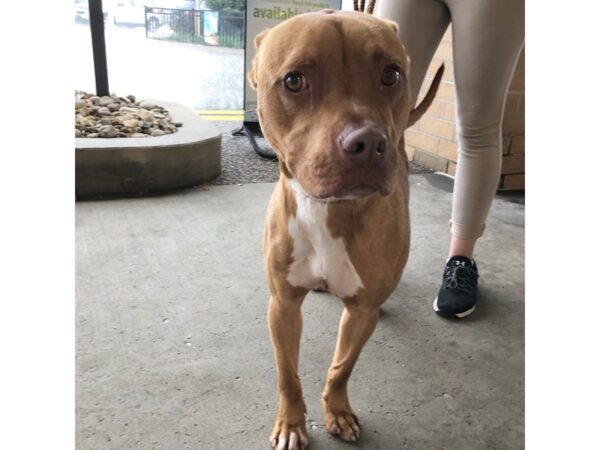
x=334 y=100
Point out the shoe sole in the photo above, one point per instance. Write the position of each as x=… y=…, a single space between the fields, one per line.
x=448 y=315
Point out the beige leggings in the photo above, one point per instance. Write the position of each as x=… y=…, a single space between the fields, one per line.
x=487 y=37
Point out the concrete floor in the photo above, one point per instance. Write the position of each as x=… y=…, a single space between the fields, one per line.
x=173 y=349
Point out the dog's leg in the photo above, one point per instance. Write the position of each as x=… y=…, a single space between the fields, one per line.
x=356 y=326
x=285 y=325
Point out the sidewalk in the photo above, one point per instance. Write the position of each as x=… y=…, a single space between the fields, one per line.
x=173 y=350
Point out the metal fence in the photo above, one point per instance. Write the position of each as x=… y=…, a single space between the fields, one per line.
x=219 y=28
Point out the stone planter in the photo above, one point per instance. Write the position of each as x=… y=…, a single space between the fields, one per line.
x=113 y=167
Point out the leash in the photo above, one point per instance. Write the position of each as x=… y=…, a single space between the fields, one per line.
x=359 y=6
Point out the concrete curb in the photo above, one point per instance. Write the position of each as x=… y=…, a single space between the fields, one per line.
x=120 y=167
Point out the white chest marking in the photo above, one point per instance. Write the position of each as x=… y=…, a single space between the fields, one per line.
x=318 y=257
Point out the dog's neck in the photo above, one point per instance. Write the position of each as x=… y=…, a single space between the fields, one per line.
x=299 y=191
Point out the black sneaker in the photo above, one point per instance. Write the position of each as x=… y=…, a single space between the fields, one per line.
x=457 y=296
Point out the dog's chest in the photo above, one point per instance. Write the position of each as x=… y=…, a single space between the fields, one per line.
x=319 y=259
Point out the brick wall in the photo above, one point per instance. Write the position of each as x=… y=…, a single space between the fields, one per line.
x=431 y=142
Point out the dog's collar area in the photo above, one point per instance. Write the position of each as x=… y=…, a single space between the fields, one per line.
x=299 y=190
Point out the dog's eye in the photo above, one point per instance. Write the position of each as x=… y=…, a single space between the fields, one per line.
x=391 y=76
x=294 y=81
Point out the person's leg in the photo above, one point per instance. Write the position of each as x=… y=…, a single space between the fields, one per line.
x=487 y=39
x=421 y=25
x=459 y=246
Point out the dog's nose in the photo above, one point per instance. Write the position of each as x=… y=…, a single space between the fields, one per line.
x=365 y=144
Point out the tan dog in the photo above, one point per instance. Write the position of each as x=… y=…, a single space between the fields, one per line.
x=333 y=101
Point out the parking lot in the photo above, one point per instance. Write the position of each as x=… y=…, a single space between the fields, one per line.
x=198 y=76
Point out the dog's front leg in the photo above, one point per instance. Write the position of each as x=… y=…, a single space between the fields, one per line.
x=356 y=326
x=285 y=325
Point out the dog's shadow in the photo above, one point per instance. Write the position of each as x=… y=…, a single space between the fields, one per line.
x=369 y=439
x=406 y=321
x=404 y=305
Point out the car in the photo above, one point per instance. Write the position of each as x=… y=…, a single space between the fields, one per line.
x=82 y=11
x=133 y=12
x=129 y=12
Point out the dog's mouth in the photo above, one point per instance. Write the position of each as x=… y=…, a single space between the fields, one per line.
x=345 y=186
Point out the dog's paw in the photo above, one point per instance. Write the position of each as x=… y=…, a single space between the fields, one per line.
x=288 y=437
x=343 y=424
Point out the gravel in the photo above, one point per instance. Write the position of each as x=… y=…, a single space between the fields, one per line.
x=111 y=116
x=239 y=162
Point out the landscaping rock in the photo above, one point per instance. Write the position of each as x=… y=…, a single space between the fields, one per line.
x=128 y=110
x=148 y=105
x=113 y=116
x=131 y=123
x=146 y=115
x=88 y=122
x=108 y=131
x=105 y=101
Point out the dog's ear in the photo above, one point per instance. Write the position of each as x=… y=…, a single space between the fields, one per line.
x=391 y=24
x=260 y=36
x=252 y=73
x=417 y=112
